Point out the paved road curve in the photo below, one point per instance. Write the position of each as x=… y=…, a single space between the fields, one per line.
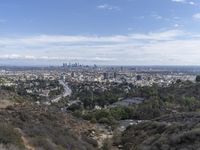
x=67 y=92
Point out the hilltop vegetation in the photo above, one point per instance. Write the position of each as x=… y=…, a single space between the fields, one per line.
x=178 y=132
x=28 y=126
x=171 y=114
x=178 y=97
x=96 y=93
x=9 y=97
x=173 y=119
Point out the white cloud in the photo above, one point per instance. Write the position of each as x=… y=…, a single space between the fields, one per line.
x=196 y=16
x=166 y=47
x=28 y=57
x=108 y=7
x=66 y=41
x=10 y=56
x=159 y=36
x=181 y=1
x=192 y=3
x=157 y=17
x=176 y=25
x=184 y=2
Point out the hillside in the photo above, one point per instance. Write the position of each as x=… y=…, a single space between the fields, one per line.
x=171 y=132
x=33 y=127
x=170 y=120
x=9 y=98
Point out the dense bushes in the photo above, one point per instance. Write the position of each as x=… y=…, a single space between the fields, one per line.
x=9 y=136
x=161 y=136
x=43 y=129
x=54 y=93
x=178 y=97
x=101 y=94
x=170 y=132
x=108 y=116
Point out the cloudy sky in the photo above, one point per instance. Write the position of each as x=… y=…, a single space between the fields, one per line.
x=106 y=32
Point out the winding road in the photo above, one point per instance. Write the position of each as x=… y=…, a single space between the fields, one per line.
x=67 y=92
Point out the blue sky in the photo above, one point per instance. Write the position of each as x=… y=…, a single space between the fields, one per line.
x=111 y=32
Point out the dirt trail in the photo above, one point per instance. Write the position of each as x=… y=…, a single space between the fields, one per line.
x=5 y=103
x=26 y=144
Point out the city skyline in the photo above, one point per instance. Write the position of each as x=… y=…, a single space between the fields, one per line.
x=114 y=32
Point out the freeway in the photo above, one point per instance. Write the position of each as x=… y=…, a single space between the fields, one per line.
x=67 y=92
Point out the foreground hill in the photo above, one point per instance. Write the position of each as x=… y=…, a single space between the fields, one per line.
x=36 y=128
x=171 y=132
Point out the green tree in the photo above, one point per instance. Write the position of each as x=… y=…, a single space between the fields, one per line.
x=198 y=78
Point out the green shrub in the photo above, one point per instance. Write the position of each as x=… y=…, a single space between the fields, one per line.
x=9 y=136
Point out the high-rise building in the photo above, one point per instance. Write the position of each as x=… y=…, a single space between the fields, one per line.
x=105 y=75
x=115 y=75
